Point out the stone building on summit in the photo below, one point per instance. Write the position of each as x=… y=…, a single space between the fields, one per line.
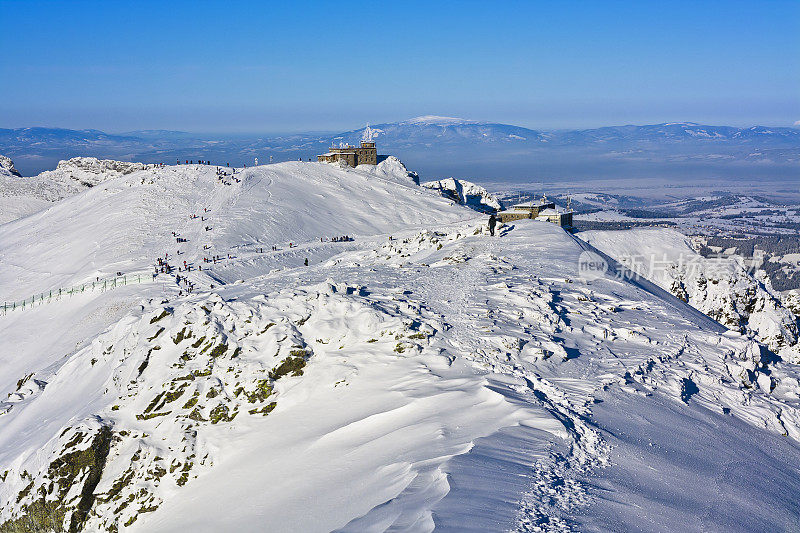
x=365 y=154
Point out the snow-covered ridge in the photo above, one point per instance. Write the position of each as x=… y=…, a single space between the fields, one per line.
x=434 y=120
x=272 y=204
x=392 y=169
x=23 y=196
x=721 y=288
x=162 y=395
x=466 y=193
x=89 y=171
x=68 y=178
x=410 y=378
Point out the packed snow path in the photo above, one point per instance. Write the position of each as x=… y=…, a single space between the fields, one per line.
x=551 y=345
x=438 y=379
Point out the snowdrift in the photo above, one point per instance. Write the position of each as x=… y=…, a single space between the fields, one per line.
x=721 y=288
x=416 y=375
x=20 y=197
x=125 y=223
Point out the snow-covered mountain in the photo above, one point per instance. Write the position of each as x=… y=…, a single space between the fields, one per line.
x=358 y=354
x=449 y=130
x=721 y=288
x=681 y=132
x=432 y=131
x=436 y=120
x=21 y=197
x=439 y=146
x=80 y=173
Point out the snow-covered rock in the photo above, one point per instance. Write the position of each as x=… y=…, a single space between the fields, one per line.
x=392 y=169
x=466 y=193
x=721 y=288
x=7 y=166
x=90 y=171
x=14 y=202
x=791 y=300
x=409 y=377
x=21 y=197
x=158 y=390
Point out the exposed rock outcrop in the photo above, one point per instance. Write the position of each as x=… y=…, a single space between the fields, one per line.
x=723 y=289
x=466 y=193
x=22 y=196
x=392 y=169
x=7 y=165
x=90 y=171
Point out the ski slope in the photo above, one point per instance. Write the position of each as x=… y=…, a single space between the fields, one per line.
x=423 y=376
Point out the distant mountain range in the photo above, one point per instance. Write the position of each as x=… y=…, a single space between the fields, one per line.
x=448 y=130
x=445 y=146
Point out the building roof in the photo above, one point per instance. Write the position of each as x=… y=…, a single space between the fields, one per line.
x=554 y=211
x=531 y=205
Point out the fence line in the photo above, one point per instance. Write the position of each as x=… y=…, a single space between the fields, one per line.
x=56 y=294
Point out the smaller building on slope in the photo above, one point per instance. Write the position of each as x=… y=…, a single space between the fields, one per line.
x=541 y=209
x=526 y=210
x=556 y=215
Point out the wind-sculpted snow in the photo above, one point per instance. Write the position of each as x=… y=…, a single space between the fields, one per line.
x=21 y=197
x=14 y=203
x=721 y=288
x=418 y=375
x=152 y=394
x=124 y=224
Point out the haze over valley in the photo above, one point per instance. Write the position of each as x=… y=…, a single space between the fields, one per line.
x=444 y=147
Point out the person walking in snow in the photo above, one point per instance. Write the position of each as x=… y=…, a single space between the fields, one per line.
x=492 y=224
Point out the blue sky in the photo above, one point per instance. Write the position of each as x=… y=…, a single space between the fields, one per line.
x=294 y=66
